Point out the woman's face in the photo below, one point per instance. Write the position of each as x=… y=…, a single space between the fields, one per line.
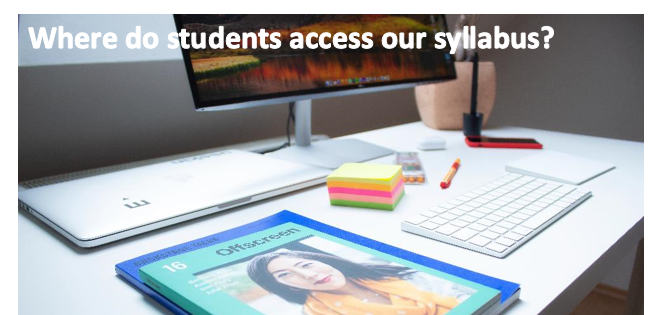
x=306 y=274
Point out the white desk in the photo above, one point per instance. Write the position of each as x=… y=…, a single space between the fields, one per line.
x=556 y=269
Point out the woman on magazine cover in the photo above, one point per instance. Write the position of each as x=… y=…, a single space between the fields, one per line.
x=329 y=285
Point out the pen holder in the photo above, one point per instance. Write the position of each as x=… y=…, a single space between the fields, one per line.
x=472 y=124
x=441 y=105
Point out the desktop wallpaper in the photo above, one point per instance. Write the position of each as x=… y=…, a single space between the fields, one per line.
x=227 y=75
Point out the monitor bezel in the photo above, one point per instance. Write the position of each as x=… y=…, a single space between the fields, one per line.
x=286 y=97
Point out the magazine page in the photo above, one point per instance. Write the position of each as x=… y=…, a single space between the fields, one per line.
x=292 y=269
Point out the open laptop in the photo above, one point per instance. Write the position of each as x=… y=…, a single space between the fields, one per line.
x=104 y=208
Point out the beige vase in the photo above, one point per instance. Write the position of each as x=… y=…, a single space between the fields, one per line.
x=442 y=105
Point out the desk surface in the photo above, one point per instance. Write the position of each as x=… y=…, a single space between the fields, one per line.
x=556 y=269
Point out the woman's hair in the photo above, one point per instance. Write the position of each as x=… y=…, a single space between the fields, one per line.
x=257 y=269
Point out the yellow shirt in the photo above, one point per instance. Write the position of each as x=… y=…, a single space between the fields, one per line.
x=405 y=298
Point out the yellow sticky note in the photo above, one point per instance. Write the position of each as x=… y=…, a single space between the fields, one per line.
x=367 y=173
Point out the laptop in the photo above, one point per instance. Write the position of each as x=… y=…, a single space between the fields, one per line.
x=100 y=209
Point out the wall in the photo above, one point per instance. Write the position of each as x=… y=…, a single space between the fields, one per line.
x=590 y=81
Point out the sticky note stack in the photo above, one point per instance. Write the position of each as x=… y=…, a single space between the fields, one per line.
x=363 y=185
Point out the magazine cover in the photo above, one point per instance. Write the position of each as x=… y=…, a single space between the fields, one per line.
x=293 y=269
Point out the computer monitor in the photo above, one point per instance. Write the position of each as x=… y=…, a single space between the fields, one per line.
x=224 y=79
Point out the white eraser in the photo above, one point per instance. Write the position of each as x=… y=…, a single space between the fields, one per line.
x=431 y=143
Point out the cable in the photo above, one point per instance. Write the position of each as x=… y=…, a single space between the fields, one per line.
x=292 y=117
x=289 y=119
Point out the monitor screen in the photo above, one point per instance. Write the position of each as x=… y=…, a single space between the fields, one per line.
x=220 y=78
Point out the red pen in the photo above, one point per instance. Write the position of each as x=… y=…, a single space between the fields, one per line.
x=450 y=175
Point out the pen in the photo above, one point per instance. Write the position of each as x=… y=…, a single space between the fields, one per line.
x=452 y=171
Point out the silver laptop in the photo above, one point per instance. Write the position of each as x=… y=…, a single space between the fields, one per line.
x=100 y=209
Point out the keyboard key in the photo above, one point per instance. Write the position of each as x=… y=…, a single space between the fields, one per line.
x=473 y=204
x=448 y=216
x=501 y=213
x=513 y=220
x=496 y=193
x=464 y=234
x=540 y=204
x=535 y=195
x=521 y=230
x=471 y=195
x=548 y=199
x=522 y=202
x=515 y=206
x=481 y=200
x=429 y=225
x=534 y=208
x=542 y=217
x=527 y=212
x=509 y=209
x=491 y=186
x=465 y=208
x=457 y=212
x=528 y=199
x=497 y=229
x=493 y=205
x=459 y=223
x=439 y=221
x=429 y=214
x=506 y=199
x=456 y=202
x=447 y=206
x=485 y=210
x=501 y=191
x=447 y=229
x=479 y=240
x=463 y=198
x=496 y=247
x=494 y=217
x=513 y=236
x=520 y=216
x=479 y=191
x=416 y=219
x=556 y=193
x=505 y=241
x=489 y=197
x=468 y=218
x=499 y=203
x=490 y=234
x=478 y=227
x=478 y=214
x=504 y=224
x=486 y=222
x=438 y=210
x=514 y=195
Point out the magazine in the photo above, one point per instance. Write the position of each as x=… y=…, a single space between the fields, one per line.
x=289 y=264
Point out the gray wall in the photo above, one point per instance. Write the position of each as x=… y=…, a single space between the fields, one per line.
x=590 y=81
x=77 y=117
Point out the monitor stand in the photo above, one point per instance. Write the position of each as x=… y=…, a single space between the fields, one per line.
x=330 y=153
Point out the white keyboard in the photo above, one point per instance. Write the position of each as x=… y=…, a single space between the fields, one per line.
x=497 y=218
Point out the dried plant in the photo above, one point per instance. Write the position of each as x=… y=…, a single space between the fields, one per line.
x=464 y=20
